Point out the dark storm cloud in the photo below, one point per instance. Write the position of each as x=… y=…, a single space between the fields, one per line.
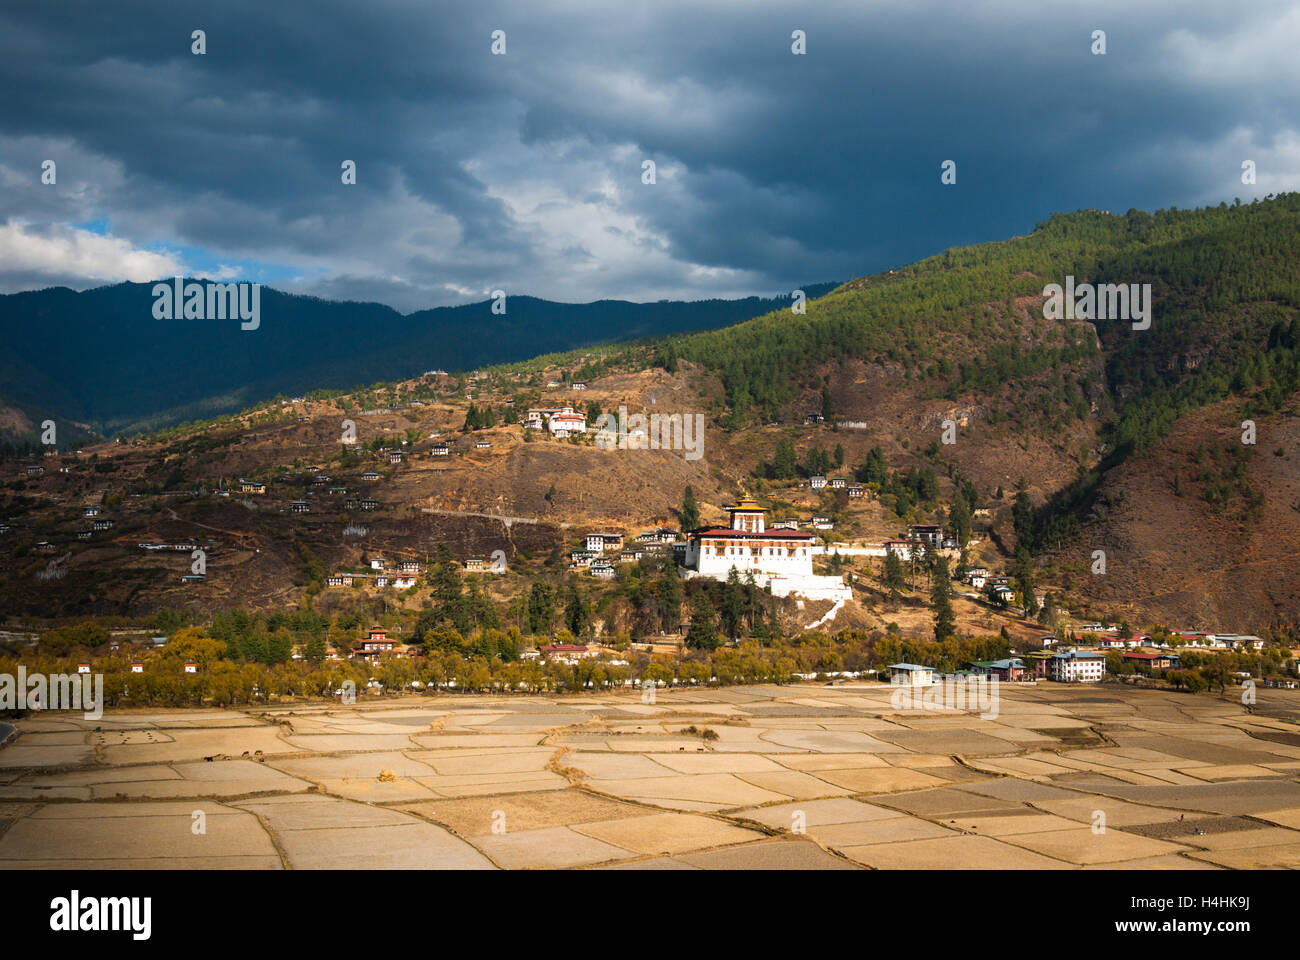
x=524 y=171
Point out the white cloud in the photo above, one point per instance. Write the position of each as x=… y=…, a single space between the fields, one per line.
x=64 y=252
x=1260 y=52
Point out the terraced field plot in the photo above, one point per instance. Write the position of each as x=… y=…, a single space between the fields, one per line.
x=751 y=777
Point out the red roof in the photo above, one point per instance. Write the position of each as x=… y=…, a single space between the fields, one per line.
x=565 y=647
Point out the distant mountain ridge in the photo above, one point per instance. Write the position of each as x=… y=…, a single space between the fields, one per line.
x=101 y=358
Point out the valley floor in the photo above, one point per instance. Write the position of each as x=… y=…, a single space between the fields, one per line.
x=804 y=777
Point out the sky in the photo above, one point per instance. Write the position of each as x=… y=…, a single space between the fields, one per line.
x=524 y=170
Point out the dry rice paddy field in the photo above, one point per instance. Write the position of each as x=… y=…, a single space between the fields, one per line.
x=803 y=777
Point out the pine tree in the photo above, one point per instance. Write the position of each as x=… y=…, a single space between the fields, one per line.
x=577 y=613
x=1023 y=518
x=959 y=520
x=894 y=577
x=945 y=624
x=733 y=605
x=703 y=633
x=1024 y=582
x=669 y=593
x=784 y=462
x=875 y=468
x=690 y=514
x=541 y=608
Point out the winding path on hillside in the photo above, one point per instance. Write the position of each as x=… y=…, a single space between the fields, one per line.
x=502 y=518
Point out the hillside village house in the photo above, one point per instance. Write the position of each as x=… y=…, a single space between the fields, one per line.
x=409 y=566
x=1238 y=641
x=137 y=666
x=901 y=548
x=1113 y=641
x=1000 y=590
x=371 y=475
x=191 y=666
x=821 y=523
x=475 y=564
x=837 y=483
x=567 y=424
x=255 y=487
x=779 y=559
x=346 y=579
x=102 y=523
x=1077 y=666
x=661 y=535
x=482 y=444
x=931 y=534
x=604 y=541
x=395 y=457
x=1201 y=640
x=817 y=482
x=857 y=490
x=35 y=471
x=568 y=652
x=1152 y=661
x=785 y=525
x=536 y=417
x=91 y=511
x=603 y=570
x=373 y=644
x=579 y=385
x=299 y=506
x=440 y=450
x=369 y=504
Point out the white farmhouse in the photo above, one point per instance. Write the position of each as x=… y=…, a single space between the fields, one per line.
x=910 y=675
x=1077 y=666
x=567 y=424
